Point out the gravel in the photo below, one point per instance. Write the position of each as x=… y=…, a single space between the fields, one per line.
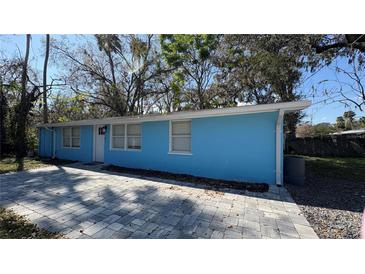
x=333 y=207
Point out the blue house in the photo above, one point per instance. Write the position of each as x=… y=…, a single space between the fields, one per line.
x=240 y=143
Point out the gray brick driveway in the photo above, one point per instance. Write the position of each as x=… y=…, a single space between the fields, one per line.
x=85 y=202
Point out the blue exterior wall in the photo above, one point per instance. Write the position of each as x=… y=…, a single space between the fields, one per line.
x=45 y=146
x=238 y=148
x=84 y=153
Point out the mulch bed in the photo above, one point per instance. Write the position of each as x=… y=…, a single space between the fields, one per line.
x=333 y=207
x=207 y=182
x=56 y=161
x=14 y=226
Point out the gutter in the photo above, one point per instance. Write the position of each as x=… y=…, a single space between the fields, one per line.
x=279 y=148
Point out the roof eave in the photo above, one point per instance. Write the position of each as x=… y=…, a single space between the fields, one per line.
x=286 y=107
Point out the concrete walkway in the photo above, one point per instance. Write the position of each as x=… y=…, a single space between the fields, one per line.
x=86 y=202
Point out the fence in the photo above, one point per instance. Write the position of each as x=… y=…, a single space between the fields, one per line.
x=337 y=146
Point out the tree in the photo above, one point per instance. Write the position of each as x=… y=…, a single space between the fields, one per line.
x=340 y=42
x=30 y=92
x=3 y=111
x=116 y=72
x=323 y=129
x=24 y=105
x=362 y=122
x=304 y=130
x=340 y=123
x=352 y=91
x=191 y=58
x=69 y=107
x=45 y=67
x=10 y=73
x=348 y=85
x=349 y=119
x=109 y=43
x=266 y=69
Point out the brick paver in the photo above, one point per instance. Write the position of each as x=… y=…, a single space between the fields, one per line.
x=86 y=202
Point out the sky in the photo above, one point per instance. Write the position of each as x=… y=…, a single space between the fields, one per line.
x=321 y=110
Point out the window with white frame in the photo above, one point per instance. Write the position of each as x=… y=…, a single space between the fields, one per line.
x=126 y=136
x=134 y=136
x=118 y=132
x=71 y=137
x=180 y=139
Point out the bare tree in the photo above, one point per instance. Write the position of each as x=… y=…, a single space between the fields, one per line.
x=348 y=87
x=117 y=71
x=30 y=91
x=340 y=41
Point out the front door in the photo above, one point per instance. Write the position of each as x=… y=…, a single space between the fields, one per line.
x=99 y=143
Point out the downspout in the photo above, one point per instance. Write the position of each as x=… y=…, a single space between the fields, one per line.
x=279 y=149
x=54 y=141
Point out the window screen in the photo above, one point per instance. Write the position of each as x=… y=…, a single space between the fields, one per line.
x=181 y=136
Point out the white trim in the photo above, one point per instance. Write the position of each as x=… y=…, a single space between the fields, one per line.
x=180 y=153
x=170 y=138
x=134 y=149
x=278 y=148
x=286 y=107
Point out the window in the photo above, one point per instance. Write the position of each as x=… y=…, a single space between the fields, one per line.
x=71 y=137
x=126 y=136
x=180 y=141
x=118 y=133
x=134 y=136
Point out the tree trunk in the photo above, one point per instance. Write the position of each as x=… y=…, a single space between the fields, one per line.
x=290 y=124
x=21 y=147
x=111 y=64
x=45 y=66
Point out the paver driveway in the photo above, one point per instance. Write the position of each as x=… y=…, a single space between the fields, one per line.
x=85 y=202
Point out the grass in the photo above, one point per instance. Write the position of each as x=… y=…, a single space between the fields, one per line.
x=14 y=226
x=11 y=164
x=347 y=168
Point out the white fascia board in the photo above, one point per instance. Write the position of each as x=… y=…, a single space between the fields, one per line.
x=286 y=107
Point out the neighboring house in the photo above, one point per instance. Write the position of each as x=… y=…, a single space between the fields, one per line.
x=239 y=143
x=356 y=133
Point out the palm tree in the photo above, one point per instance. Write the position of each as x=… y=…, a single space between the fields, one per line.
x=109 y=43
x=340 y=123
x=349 y=119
